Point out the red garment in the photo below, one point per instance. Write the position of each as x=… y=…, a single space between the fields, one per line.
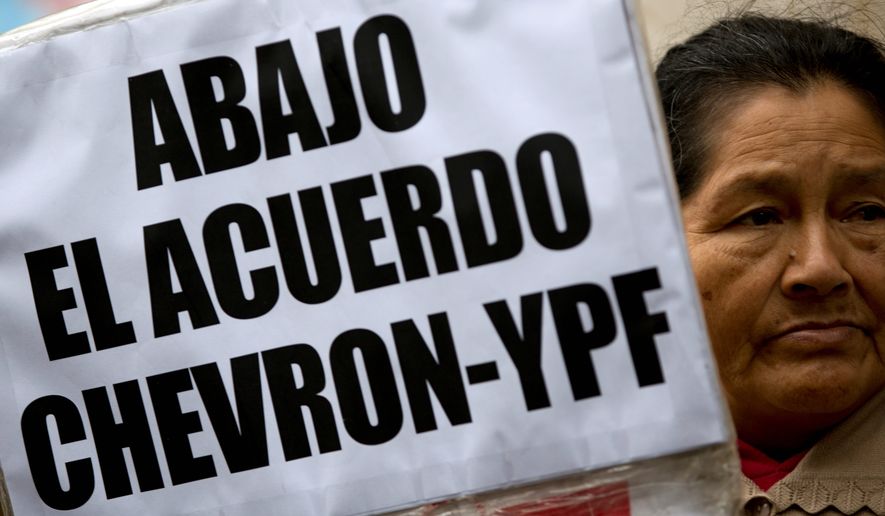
x=762 y=469
x=606 y=500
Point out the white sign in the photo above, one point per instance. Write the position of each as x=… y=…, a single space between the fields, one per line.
x=328 y=257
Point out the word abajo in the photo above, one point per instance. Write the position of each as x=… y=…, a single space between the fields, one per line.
x=151 y=100
x=167 y=245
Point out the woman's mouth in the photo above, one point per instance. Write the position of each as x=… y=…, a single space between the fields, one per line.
x=821 y=335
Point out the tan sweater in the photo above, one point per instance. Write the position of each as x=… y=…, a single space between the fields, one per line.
x=843 y=474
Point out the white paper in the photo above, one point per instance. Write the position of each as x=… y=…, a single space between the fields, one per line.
x=496 y=77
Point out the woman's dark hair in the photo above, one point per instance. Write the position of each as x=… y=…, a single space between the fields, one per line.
x=703 y=78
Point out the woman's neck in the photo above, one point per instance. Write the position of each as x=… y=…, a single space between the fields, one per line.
x=782 y=435
x=779 y=443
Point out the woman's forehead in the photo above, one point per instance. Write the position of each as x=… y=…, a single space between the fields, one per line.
x=777 y=136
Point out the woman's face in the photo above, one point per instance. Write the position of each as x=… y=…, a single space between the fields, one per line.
x=787 y=237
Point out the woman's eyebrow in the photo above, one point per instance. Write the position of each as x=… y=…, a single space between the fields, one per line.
x=773 y=184
x=870 y=177
x=754 y=183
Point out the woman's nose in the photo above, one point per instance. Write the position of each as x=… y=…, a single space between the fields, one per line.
x=815 y=266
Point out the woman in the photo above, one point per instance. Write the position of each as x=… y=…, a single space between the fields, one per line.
x=778 y=140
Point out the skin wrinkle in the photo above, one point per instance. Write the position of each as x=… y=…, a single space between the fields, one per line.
x=799 y=129
x=787 y=228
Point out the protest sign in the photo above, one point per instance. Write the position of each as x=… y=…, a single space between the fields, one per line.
x=330 y=257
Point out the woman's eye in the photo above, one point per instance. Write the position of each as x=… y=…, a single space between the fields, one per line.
x=761 y=217
x=866 y=213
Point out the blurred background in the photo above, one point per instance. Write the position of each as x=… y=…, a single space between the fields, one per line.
x=18 y=12
x=665 y=21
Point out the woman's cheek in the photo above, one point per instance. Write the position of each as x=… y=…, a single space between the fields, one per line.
x=734 y=288
x=870 y=243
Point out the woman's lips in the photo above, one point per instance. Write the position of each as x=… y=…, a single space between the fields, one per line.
x=821 y=336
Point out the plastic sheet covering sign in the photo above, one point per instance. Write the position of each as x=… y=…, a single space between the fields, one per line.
x=328 y=257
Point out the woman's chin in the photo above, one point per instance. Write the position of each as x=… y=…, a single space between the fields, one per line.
x=826 y=387
x=833 y=390
x=815 y=399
